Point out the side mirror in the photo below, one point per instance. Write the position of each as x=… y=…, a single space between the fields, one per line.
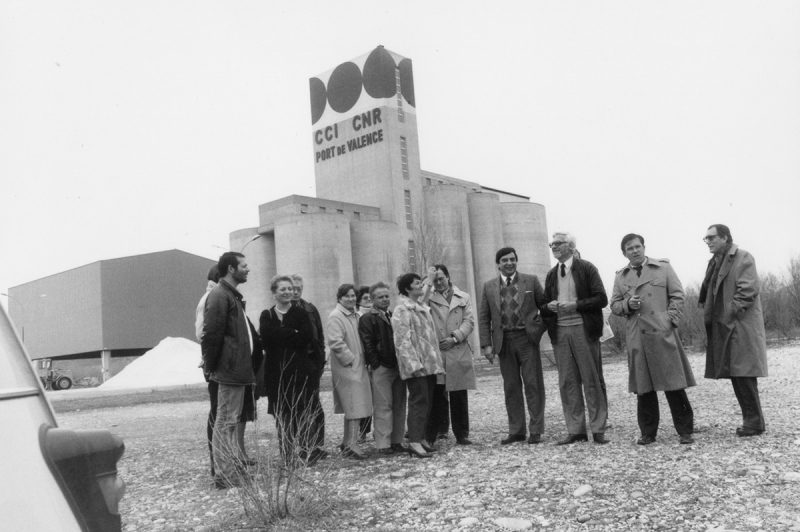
x=84 y=463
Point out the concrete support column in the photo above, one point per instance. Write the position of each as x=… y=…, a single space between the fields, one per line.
x=105 y=361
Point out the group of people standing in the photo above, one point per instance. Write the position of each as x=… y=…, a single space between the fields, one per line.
x=405 y=372
x=516 y=310
x=398 y=366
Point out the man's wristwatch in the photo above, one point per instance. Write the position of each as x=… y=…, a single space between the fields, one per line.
x=454 y=337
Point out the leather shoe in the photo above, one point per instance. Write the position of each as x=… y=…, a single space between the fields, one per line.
x=646 y=439
x=442 y=436
x=600 y=438
x=386 y=451
x=463 y=441
x=348 y=452
x=398 y=448
x=512 y=438
x=573 y=438
x=744 y=432
x=686 y=439
x=534 y=439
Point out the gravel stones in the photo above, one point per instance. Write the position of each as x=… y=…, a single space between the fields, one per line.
x=582 y=490
x=719 y=484
x=512 y=523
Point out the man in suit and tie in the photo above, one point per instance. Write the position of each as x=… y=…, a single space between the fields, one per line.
x=510 y=327
x=572 y=308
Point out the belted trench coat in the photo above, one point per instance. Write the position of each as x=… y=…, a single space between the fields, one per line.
x=455 y=318
x=656 y=359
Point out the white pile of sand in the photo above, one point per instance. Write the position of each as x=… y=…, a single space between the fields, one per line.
x=172 y=362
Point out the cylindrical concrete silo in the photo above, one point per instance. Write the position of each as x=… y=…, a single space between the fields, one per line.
x=486 y=231
x=378 y=251
x=525 y=229
x=447 y=221
x=318 y=247
x=445 y=232
x=260 y=256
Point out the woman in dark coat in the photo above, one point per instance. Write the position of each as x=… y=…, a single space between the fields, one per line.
x=291 y=375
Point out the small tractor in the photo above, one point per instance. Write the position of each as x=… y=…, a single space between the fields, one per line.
x=53 y=379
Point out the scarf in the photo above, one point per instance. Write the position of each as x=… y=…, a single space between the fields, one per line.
x=712 y=272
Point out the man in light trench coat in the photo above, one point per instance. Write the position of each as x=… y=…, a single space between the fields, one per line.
x=649 y=294
x=736 y=347
x=452 y=314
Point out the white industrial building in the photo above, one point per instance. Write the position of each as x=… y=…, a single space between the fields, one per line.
x=377 y=210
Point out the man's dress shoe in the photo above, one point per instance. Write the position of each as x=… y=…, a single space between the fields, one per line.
x=744 y=432
x=512 y=438
x=572 y=438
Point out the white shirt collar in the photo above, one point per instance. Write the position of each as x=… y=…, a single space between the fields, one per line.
x=633 y=267
x=505 y=279
x=568 y=263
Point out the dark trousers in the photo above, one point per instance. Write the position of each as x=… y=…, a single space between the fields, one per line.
x=213 y=388
x=648 y=416
x=318 y=429
x=364 y=427
x=444 y=409
x=746 y=390
x=521 y=368
x=420 y=393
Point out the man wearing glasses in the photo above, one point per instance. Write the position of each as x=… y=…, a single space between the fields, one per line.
x=572 y=309
x=736 y=348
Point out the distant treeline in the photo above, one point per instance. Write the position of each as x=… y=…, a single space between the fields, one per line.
x=780 y=301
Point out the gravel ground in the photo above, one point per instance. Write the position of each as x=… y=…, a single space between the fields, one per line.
x=721 y=483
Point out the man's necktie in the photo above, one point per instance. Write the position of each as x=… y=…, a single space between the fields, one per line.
x=638 y=270
x=563 y=270
x=508 y=281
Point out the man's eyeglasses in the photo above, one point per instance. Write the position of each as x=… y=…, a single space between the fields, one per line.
x=554 y=245
x=709 y=238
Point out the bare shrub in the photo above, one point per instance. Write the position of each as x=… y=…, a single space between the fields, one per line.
x=290 y=480
x=692 y=329
x=793 y=289
x=776 y=304
x=429 y=247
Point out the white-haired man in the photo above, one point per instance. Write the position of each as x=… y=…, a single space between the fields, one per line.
x=574 y=298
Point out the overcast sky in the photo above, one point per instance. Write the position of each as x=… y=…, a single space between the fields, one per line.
x=134 y=127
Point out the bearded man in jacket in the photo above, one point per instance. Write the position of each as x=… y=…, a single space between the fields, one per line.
x=227 y=348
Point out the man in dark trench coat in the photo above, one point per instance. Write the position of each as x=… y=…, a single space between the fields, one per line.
x=736 y=347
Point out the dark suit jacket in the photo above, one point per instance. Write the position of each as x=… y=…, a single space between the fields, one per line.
x=489 y=319
x=591 y=298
